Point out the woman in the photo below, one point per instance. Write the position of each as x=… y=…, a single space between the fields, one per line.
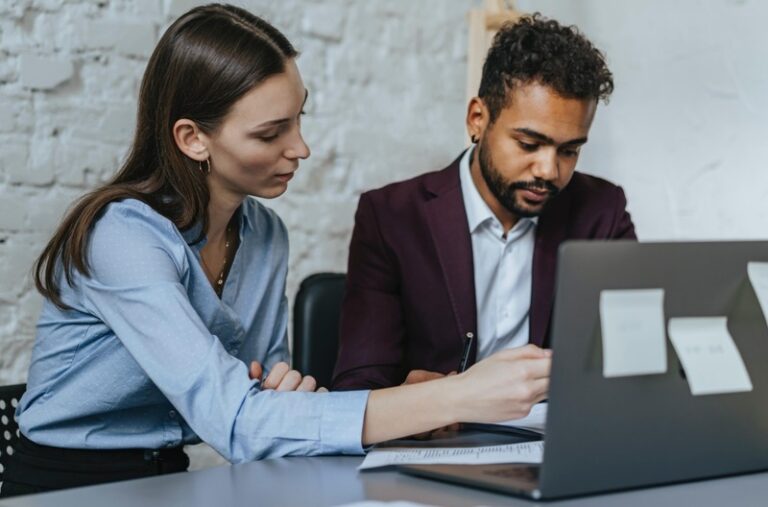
x=162 y=285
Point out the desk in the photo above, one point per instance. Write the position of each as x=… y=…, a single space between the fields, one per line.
x=329 y=481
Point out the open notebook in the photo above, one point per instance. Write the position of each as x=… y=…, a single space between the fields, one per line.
x=530 y=426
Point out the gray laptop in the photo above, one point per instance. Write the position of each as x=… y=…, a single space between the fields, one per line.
x=620 y=433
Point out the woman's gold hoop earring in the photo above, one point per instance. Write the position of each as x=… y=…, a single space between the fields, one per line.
x=207 y=166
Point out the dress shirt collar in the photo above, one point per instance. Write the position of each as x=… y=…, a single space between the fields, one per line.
x=478 y=211
x=191 y=234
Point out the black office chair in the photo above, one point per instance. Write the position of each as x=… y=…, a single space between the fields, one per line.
x=9 y=429
x=316 y=325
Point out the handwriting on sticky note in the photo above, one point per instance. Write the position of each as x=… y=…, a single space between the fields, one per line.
x=712 y=363
x=632 y=325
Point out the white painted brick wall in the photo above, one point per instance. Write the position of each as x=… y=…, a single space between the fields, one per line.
x=684 y=132
x=43 y=72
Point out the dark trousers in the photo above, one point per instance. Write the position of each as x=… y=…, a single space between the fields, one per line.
x=37 y=468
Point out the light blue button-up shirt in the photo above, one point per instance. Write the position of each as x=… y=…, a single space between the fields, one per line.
x=149 y=357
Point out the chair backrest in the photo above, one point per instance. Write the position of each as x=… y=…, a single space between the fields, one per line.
x=9 y=429
x=316 y=325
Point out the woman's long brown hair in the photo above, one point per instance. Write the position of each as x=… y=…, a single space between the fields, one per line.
x=206 y=60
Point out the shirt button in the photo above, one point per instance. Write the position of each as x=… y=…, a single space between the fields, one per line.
x=172 y=414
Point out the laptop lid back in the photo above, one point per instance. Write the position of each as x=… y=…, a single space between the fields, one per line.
x=615 y=433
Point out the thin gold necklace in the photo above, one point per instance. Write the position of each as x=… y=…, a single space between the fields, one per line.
x=218 y=284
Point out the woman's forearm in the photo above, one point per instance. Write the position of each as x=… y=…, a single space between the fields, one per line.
x=405 y=410
x=502 y=387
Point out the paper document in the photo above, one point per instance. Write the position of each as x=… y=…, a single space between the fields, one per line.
x=711 y=361
x=526 y=452
x=758 y=277
x=632 y=324
x=375 y=503
x=534 y=421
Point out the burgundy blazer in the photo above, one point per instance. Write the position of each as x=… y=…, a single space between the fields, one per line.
x=410 y=293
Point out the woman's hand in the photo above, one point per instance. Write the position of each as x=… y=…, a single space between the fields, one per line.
x=503 y=386
x=283 y=378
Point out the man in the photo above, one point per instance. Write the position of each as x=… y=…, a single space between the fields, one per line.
x=470 y=250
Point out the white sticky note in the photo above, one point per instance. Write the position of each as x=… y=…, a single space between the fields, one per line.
x=711 y=361
x=632 y=324
x=758 y=277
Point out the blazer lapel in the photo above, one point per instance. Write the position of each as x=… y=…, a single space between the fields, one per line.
x=447 y=219
x=550 y=233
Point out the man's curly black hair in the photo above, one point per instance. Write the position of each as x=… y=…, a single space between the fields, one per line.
x=536 y=49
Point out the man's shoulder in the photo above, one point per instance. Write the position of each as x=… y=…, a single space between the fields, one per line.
x=586 y=192
x=417 y=188
x=590 y=204
x=404 y=188
x=582 y=183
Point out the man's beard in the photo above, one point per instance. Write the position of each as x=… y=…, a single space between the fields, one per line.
x=505 y=191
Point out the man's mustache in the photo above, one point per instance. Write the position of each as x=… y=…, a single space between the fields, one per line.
x=537 y=186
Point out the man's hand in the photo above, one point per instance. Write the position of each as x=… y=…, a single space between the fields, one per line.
x=283 y=378
x=416 y=376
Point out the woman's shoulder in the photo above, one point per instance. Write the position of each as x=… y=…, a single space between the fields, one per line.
x=129 y=225
x=129 y=213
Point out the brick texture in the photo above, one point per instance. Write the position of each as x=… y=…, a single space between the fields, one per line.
x=69 y=77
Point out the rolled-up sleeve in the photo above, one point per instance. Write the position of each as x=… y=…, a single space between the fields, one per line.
x=137 y=265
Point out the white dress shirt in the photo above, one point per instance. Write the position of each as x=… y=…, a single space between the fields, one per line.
x=502 y=267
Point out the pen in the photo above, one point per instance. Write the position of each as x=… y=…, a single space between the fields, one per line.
x=465 y=353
